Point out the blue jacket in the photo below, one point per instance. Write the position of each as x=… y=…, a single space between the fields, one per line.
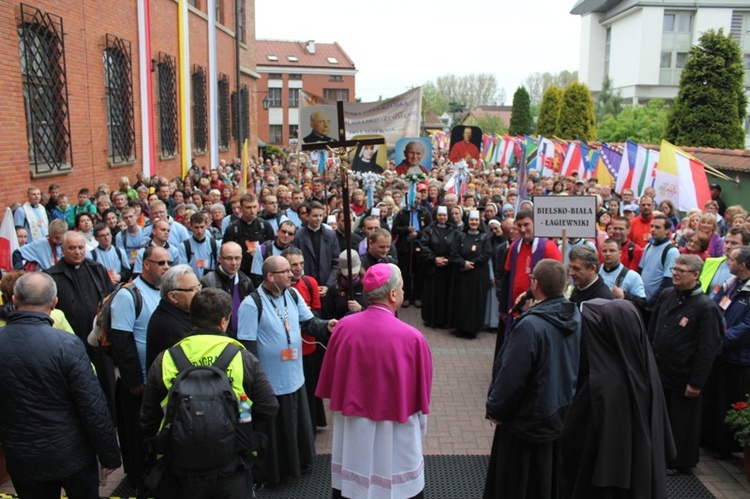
x=536 y=370
x=735 y=344
x=54 y=419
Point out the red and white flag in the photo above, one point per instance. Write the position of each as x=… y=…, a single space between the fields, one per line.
x=8 y=241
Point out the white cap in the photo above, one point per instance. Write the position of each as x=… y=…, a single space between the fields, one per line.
x=473 y=214
x=442 y=210
x=375 y=211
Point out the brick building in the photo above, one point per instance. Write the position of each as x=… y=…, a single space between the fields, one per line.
x=323 y=69
x=93 y=91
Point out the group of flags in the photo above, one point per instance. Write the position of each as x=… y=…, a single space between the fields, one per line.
x=674 y=174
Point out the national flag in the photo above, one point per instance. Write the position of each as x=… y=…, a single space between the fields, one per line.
x=646 y=175
x=680 y=178
x=8 y=241
x=573 y=160
x=546 y=156
x=488 y=146
x=531 y=148
x=610 y=160
x=627 y=167
x=592 y=158
x=584 y=165
x=560 y=150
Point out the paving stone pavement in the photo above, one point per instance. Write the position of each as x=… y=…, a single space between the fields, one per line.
x=456 y=424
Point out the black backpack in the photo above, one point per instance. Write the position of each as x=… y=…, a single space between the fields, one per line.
x=259 y=304
x=103 y=319
x=202 y=434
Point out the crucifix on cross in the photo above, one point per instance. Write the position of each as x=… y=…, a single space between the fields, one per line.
x=340 y=148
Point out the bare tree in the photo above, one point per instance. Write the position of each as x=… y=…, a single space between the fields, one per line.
x=537 y=83
x=470 y=90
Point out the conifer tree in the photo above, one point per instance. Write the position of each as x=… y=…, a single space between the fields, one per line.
x=576 y=118
x=711 y=104
x=546 y=124
x=520 y=120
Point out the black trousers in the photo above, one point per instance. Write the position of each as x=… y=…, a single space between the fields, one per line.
x=235 y=486
x=128 y=412
x=83 y=484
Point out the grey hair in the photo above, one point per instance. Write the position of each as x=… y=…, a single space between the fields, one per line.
x=29 y=291
x=169 y=282
x=218 y=207
x=693 y=262
x=585 y=254
x=379 y=294
x=69 y=234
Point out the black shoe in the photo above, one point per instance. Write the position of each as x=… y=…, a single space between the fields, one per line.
x=678 y=471
x=405 y=304
x=418 y=303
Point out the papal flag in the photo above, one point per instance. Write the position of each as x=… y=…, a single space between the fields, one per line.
x=681 y=179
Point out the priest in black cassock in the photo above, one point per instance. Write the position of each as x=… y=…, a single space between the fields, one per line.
x=81 y=284
x=583 y=269
x=616 y=437
x=685 y=331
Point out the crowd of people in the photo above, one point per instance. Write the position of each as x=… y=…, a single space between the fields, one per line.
x=470 y=261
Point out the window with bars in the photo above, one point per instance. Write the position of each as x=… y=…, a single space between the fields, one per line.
x=241 y=20
x=200 y=109
x=45 y=91
x=241 y=113
x=235 y=117
x=336 y=94
x=294 y=97
x=167 y=73
x=224 y=120
x=275 y=134
x=335 y=78
x=274 y=97
x=245 y=111
x=118 y=84
x=219 y=11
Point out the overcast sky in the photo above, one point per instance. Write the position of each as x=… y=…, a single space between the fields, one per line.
x=401 y=44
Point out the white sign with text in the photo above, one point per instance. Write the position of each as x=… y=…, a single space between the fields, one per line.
x=575 y=214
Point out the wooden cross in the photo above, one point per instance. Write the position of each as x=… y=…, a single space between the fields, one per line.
x=340 y=149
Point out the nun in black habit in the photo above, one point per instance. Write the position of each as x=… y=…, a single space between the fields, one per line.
x=617 y=437
x=436 y=242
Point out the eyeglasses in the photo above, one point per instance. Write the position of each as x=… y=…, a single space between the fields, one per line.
x=194 y=289
x=678 y=270
x=161 y=263
x=287 y=271
x=287 y=232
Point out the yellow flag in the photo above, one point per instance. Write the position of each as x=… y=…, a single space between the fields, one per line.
x=245 y=165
